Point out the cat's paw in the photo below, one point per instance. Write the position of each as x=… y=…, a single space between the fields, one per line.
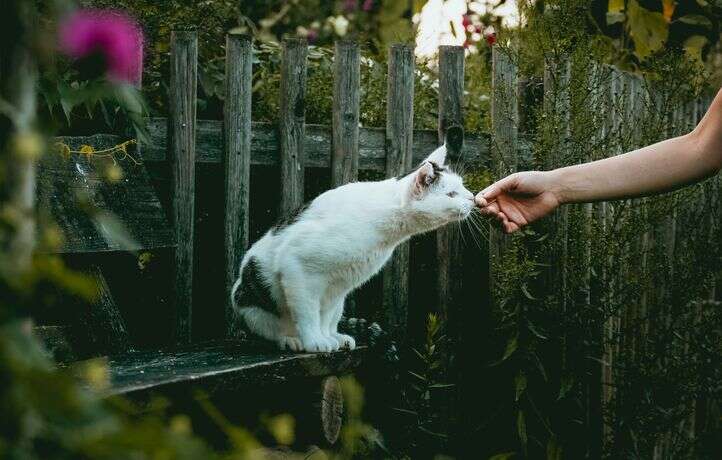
x=335 y=343
x=290 y=343
x=319 y=344
x=345 y=341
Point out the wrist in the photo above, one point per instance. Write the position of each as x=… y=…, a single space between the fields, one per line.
x=559 y=185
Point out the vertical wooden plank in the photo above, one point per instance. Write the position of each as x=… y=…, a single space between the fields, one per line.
x=292 y=123
x=505 y=135
x=346 y=109
x=106 y=326
x=399 y=141
x=557 y=75
x=606 y=369
x=448 y=243
x=237 y=161
x=183 y=80
x=593 y=379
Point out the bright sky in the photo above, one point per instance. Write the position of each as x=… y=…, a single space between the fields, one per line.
x=440 y=22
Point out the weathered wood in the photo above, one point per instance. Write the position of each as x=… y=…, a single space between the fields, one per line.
x=77 y=195
x=318 y=408
x=57 y=342
x=106 y=327
x=448 y=242
x=505 y=134
x=292 y=123
x=346 y=112
x=237 y=161
x=221 y=367
x=331 y=408
x=183 y=87
x=611 y=327
x=399 y=147
x=265 y=145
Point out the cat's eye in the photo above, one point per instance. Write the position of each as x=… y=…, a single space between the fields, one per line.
x=451 y=194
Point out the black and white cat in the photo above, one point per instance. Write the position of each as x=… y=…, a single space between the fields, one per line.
x=294 y=280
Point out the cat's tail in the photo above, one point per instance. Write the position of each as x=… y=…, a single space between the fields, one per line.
x=234 y=289
x=261 y=322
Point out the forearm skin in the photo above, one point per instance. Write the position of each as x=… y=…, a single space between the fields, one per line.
x=657 y=168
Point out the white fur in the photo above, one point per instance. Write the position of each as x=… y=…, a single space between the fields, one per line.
x=341 y=240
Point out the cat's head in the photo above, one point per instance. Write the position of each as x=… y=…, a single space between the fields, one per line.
x=437 y=192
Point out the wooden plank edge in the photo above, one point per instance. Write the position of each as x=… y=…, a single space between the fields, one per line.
x=296 y=365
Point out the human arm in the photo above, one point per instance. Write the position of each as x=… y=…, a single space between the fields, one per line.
x=524 y=197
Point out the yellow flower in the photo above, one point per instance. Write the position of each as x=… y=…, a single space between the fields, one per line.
x=62 y=149
x=87 y=149
x=114 y=173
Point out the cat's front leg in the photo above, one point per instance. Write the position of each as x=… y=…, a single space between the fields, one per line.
x=303 y=303
x=334 y=316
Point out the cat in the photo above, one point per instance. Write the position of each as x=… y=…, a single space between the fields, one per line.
x=294 y=280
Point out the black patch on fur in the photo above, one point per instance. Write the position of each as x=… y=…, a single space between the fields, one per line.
x=254 y=292
x=437 y=171
x=290 y=219
x=454 y=140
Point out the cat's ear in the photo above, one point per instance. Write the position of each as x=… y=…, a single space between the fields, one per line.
x=423 y=178
x=438 y=156
x=454 y=139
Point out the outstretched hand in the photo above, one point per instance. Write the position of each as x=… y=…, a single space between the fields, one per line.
x=519 y=199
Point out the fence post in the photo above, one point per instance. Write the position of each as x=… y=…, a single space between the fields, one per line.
x=346 y=90
x=557 y=78
x=399 y=141
x=292 y=123
x=236 y=161
x=611 y=331
x=449 y=257
x=183 y=80
x=505 y=136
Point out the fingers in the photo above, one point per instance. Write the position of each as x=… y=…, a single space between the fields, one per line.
x=508 y=226
x=491 y=192
x=492 y=209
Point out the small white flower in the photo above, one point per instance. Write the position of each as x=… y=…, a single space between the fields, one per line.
x=340 y=25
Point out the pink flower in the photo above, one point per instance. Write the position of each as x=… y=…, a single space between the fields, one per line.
x=115 y=36
x=350 y=5
x=368 y=5
x=490 y=38
x=465 y=21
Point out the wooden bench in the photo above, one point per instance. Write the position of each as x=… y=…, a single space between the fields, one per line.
x=102 y=220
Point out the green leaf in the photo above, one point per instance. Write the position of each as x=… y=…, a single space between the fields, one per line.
x=520 y=383
x=534 y=331
x=554 y=450
x=615 y=6
x=511 y=347
x=566 y=384
x=442 y=385
x=696 y=20
x=521 y=429
x=615 y=18
x=503 y=456
x=526 y=292
x=540 y=366
x=694 y=46
x=648 y=29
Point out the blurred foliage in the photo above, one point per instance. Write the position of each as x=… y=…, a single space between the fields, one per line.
x=639 y=28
